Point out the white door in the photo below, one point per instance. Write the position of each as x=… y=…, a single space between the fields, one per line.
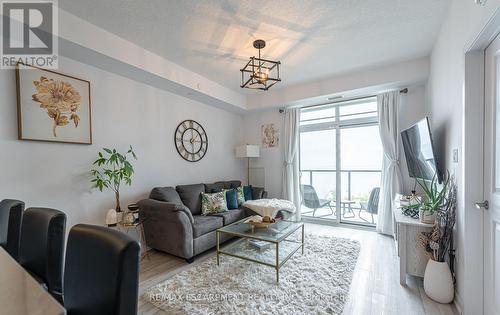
x=492 y=180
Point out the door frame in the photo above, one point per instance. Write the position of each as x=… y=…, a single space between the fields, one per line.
x=472 y=167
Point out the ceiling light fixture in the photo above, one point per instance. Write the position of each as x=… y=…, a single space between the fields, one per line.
x=258 y=73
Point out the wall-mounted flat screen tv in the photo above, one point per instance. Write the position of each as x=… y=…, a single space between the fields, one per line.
x=419 y=151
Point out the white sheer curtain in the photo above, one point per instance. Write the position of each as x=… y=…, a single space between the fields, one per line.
x=291 y=189
x=388 y=104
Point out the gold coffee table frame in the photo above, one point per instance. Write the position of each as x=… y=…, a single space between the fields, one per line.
x=275 y=234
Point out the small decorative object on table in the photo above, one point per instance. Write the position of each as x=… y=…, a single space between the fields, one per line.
x=260 y=245
x=438 y=278
x=129 y=217
x=410 y=205
x=260 y=222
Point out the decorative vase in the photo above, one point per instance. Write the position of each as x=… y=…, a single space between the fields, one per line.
x=427 y=216
x=111 y=218
x=438 y=282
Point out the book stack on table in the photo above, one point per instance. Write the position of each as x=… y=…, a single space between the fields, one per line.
x=260 y=245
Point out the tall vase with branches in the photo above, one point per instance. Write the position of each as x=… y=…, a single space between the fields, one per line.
x=111 y=170
x=438 y=278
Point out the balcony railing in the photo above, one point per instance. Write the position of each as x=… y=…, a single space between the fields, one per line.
x=310 y=174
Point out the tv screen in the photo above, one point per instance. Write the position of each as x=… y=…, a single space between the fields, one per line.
x=419 y=152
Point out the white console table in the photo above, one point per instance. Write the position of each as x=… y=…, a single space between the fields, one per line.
x=412 y=259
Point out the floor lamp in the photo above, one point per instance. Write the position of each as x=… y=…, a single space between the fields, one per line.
x=248 y=151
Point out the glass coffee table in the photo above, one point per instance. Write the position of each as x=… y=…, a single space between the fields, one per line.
x=280 y=237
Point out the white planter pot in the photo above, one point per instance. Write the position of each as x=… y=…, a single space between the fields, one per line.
x=427 y=217
x=438 y=282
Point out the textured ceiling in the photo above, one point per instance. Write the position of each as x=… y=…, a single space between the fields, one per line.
x=313 y=39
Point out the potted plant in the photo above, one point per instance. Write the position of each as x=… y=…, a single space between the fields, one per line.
x=438 y=278
x=433 y=199
x=112 y=169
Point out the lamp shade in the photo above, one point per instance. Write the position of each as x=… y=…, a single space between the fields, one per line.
x=247 y=151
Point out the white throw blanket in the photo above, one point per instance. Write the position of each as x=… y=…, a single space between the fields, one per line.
x=269 y=207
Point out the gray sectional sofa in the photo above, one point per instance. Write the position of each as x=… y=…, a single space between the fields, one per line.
x=173 y=222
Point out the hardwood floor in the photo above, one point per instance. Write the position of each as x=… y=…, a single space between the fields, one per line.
x=375 y=286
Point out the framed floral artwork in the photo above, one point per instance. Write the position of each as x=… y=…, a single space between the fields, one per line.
x=270 y=136
x=52 y=106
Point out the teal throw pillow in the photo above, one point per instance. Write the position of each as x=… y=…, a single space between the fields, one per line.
x=232 y=198
x=247 y=193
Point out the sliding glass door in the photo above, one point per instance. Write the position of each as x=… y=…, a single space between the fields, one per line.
x=340 y=155
x=318 y=170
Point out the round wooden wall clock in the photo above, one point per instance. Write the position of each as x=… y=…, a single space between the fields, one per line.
x=191 y=140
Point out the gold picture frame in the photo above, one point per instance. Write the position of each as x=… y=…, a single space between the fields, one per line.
x=52 y=106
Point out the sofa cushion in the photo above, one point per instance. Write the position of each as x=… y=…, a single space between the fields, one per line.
x=191 y=196
x=205 y=224
x=229 y=184
x=213 y=188
x=167 y=194
x=232 y=215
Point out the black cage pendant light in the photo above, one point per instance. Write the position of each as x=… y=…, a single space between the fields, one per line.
x=258 y=73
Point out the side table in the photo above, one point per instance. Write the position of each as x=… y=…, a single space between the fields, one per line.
x=138 y=227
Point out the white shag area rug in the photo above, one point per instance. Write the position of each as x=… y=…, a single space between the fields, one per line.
x=314 y=283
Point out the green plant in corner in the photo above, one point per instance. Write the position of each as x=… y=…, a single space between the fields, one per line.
x=111 y=170
x=434 y=195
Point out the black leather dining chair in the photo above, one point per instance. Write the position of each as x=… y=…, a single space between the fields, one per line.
x=41 y=249
x=11 y=214
x=101 y=272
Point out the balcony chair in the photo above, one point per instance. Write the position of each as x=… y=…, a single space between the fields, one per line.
x=310 y=199
x=372 y=205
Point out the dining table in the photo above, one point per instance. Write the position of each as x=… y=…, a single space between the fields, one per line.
x=21 y=294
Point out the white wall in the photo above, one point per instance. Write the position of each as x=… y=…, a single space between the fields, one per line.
x=412 y=109
x=446 y=98
x=361 y=82
x=124 y=112
x=271 y=159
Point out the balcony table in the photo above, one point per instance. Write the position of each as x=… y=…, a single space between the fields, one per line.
x=20 y=294
x=346 y=206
